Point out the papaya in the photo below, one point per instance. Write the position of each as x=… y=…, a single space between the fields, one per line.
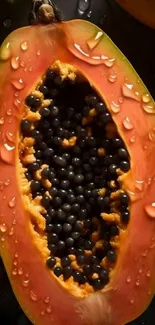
x=77 y=178
x=140 y=9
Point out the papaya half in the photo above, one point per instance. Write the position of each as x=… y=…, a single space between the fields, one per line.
x=140 y=9
x=77 y=176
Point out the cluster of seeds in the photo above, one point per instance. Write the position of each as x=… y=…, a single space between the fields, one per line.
x=79 y=156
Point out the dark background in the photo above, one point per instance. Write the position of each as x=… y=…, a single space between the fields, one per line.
x=135 y=40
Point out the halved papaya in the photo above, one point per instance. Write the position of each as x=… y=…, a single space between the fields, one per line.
x=77 y=179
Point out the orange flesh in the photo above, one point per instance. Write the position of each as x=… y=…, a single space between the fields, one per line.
x=133 y=280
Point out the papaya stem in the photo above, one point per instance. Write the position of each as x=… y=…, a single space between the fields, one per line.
x=44 y=12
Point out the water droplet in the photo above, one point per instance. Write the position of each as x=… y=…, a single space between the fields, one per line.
x=25 y=283
x=12 y=202
x=150 y=210
x=38 y=53
x=30 y=69
x=15 y=62
x=14 y=272
x=33 y=296
x=7 y=23
x=9 y=112
x=149 y=108
x=78 y=47
x=146 y=98
x=109 y=62
x=17 y=102
x=7 y=182
x=132 y=139
x=10 y=120
x=95 y=40
x=16 y=255
x=5 y=52
x=89 y=14
x=20 y=271
x=16 y=241
x=121 y=100
x=24 y=46
x=1 y=120
x=128 y=280
x=140 y=271
x=15 y=262
x=42 y=312
x=11 y=232
x=115 y=107
x=139 y=185
x=148 y=274
x=22 y=64
x=132 y=300
x=137 y=283
x=46 y=300
x=112 y=77
x=4 y=197
x=127 y=124
x=3 y=239
x=144 y=254
x=3 y=227
x=127 y=90
x=14 y=220
x=149 y=293
x=145 y=147
x=18 y=84
x=83 y=5
x=49 y=309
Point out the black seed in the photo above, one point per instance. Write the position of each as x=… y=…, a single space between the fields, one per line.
x=88 y=177
x=62 y=173
x=94 y=259
x=60 y=161
x=33 y=167
x=51 y=262
x=81 y=259
x=88 y=245
x=97 y=283
x=57 y=202
x=55 y=182
x=42 y=145
x=87 y=269
x=64 y=184
x=53 y=191
x=43 y=89
x=75 y=208
x=60 y=132
x=67 y=272
x=48 y=152
x=70 y=112
x=88 y=223
x=91 y=100
x=77 y=276
x=112 y=169
x=65 y=261
x=93 y=161
x=70 y=175
x=50 y=75
x=76 y=162
x=114 y=231
x=78 y=226
x=52 y=248
x=82 y=214
x=104 y=276
x=56 y=141
x=75 y=235
x=88 y=207
x=76 y=151
x=91 y=141
x=35 y=186
x=38 y=154
x=62 y=194
x=51 y=212
x=103 y=201
x=60 y=214
x=108 y=160
x=44 y=111
x=111 y=255
x=60 y=245
x=87 y=193
x=33 y=101
x=96 y=268
x=80 y=199
x=78 y=179
x=45 y=201
x=57 y=271
x=79 y=190
x=123 y=154
x=58 y=228
x=71 y=219
x=28 y=176
x=45 y=173
x=87 y=168
x=53 y=238
x=69 y=243
x=100 y=108
x=58 y=81
x=81 y=131
x=25 y=125
x=105 y=118
x=82 y=143
x=54 y=111
x=86 y=110
x=47 y=218
x=66 y=124
x=124 y=166
x=67 y=227
x=54 y=92
x=66 y=155
x=125 y=216
x=44 y=125
x=117 y=143
x=83 y=279
x=91 y=186
x=124 y=199
x=66 y=207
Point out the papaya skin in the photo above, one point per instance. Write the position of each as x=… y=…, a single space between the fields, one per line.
x=132 y=285
x=142 y=10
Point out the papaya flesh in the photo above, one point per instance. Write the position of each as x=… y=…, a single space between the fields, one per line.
x=72 y=50
x=141 y=10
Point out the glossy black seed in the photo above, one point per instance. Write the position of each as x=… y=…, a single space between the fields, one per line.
x=45 y=201
x=35 y=186
x=58 y=81
x=75 y=208
x=66 y=124
x=76 y=162
x=54 y=92
x=75 y=235
x=91 y=141
x=84 y=279
x=56 y=141
x=57 y=202
x=25 y=125
x=67 y=272
x=104 y=276
x=28 y=176
x=87 y=193
x=44 y=111
x=51 y=212
x=61 y=245
x=114 y=231
x=79 y=178
x=124 y=166
x=50 y=75
x=48 y=152
x=112 y=169
x=80 y=131
x=81 y=259
x=93 y=161
x=82 y=214
x=91 y=100
x=88 y=223
x=53 y=191
x=91 y=186
x=117 y=143
x=79 y=251
x=43 y=89
x=88 y=177
x=88 y=245
x=79 y=190
x=52 y=248
x=69 y=243
x=87 y=168
x=108 y=160
x=57 y=271
x=42 y=145
x=80 y=199
x=67 y=227
x=61 y=215
x=62 y=173
x=124 y=199
x=87 y=269
x=71 y=219
x=96 y=268
x=33 y=101
x=47 y=218
x=44 y=125
x=33 y=167
x=38 y=154
x=50 y=228
x=70 y=175
x=71 y=198
x=105 y=118
x=98 y=284
x=123 y=154
x=94 y=259
x=60 y=132
x=55 y=123
x=103 y=201
x=64 y=184
x=62 y=194
x=88 y=207
x=78 y=226
x=65 y=261
x=45 y=173
x=53 y=238
x=66 y=207
x=60 y=161
x=77 y=276
x=51 y=262
x=55 y=182
x=125 y=216
x=54 y=111
x=111 y=255
x=100 y=108
x=93 y=151
x=76 y=151
x=58 y=228
x=86 y=110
